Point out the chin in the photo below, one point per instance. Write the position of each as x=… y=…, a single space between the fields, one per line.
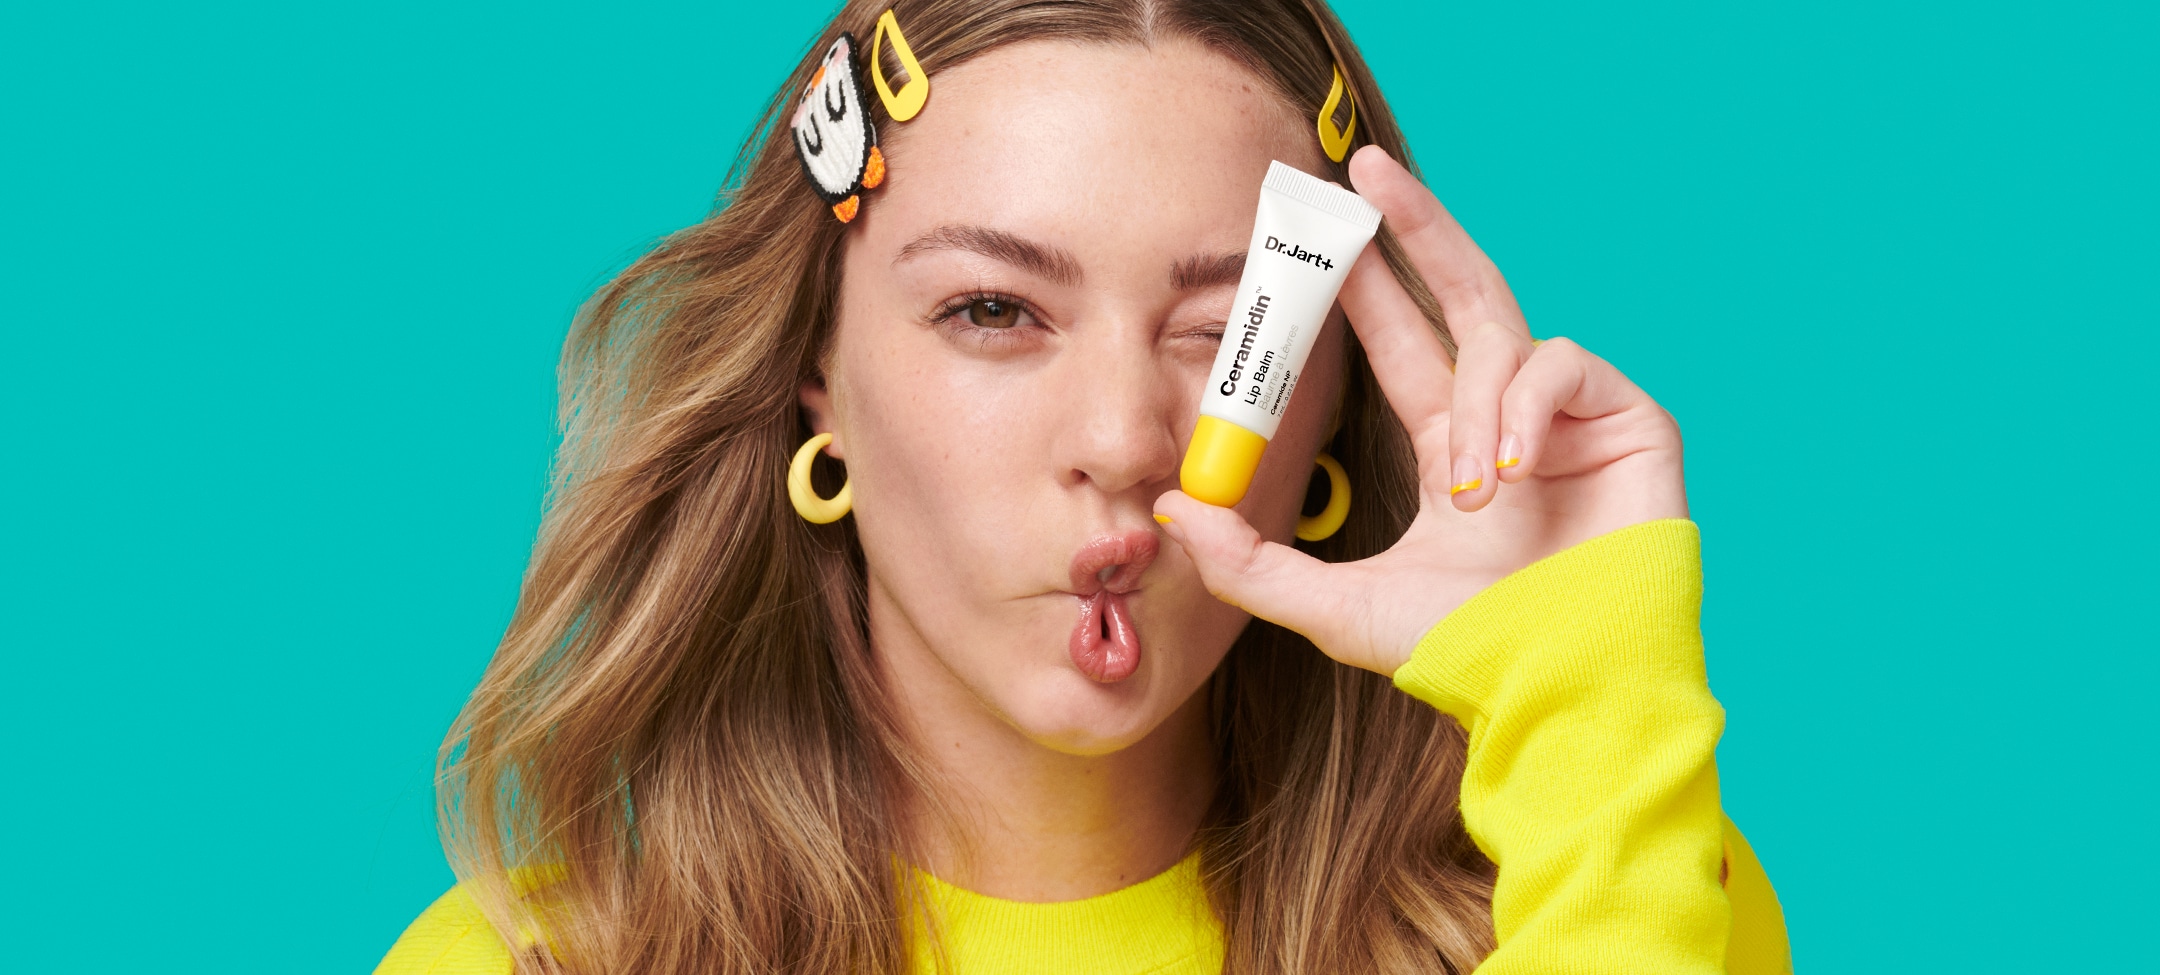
x=1065 y=712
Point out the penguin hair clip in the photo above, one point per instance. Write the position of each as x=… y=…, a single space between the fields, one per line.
x=834 y=137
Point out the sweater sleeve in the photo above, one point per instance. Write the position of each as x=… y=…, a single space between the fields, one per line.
x=1592 y=775
x=450 y=938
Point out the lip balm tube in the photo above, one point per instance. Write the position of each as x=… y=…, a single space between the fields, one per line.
x=1307 y=235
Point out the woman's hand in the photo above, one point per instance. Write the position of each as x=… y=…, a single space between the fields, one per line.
x=1522 y=450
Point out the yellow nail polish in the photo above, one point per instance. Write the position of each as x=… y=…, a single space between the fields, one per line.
x=1470 y=485
x=1162 y=519
x=1510 y=462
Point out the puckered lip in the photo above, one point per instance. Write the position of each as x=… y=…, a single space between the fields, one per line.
x=1113 y=561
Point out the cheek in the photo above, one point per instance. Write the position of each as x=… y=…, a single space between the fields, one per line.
x=915 y=437
x=942 y=477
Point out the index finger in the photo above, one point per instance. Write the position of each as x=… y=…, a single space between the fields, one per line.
x=1401 y=348
x=1469 y=288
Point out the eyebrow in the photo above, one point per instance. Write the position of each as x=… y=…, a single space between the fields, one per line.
x=1052 y=263
x=1194 y=273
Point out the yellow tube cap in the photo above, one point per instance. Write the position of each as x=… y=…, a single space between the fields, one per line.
x=1219 y=463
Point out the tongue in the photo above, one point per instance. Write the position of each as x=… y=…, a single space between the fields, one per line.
x=1105 y=646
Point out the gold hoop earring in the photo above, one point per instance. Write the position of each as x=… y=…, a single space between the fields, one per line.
x=1330 y=519
x=814 y=509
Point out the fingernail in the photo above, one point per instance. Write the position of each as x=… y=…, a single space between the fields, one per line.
x=1510 y=452
x=1162 y=519
x=1469 y=475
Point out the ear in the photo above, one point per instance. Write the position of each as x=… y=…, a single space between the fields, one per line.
x=818 y=409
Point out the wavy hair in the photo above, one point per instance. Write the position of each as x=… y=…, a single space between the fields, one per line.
x=680 y=759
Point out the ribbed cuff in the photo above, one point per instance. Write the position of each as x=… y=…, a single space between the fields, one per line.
x=1460 y=663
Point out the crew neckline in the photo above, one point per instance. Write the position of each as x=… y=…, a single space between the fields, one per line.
x=1159 y=923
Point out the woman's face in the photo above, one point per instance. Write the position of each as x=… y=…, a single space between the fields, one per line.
x=1029 y=309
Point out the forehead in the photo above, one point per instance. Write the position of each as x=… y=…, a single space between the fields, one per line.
x=1084 y=143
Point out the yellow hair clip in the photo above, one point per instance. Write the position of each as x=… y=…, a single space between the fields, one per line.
x=1336 y=142
x=903 y=104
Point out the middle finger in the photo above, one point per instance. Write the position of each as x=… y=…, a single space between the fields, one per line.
x=1491 y=356
x=1401 y=347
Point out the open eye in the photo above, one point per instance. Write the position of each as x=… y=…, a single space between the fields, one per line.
x=992 y=313
x=987 y=316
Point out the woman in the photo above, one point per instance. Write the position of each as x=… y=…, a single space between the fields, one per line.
x=719 y=737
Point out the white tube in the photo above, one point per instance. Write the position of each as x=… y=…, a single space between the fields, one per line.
x=1307 y=235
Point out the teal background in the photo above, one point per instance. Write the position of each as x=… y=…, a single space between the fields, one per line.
x=284 y=286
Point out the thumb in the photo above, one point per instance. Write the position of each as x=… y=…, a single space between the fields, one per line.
x=1267 y=579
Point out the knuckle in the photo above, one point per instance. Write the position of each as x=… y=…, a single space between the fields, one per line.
x=1420 y=218
x=1253 y=555
x=1561 y=345
x=1522 y=399
x=1490 y=334
x=1478 y=286
x=1664 y=423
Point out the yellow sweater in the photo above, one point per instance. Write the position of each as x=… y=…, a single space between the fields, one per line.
x=1591 y=782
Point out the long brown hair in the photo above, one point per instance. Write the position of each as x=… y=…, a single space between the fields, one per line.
x=681 y=761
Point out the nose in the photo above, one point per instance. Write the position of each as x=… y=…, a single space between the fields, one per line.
x=1121 y=404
